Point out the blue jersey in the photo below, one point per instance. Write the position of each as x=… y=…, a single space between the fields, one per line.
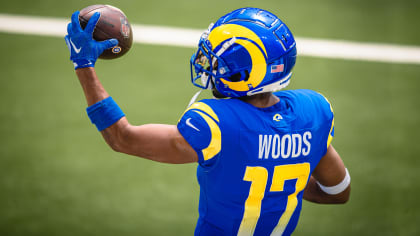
x=254 y=163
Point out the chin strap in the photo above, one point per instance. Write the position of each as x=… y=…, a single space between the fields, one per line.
x=194 y=98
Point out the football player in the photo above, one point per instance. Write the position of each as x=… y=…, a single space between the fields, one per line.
x=259 y=153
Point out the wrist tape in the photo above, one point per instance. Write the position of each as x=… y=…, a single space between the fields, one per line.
x=333 y=190
x=104 y=113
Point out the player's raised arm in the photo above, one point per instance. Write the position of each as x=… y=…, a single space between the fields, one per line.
x=156 y=142
x=161 y=143
x=330 y=181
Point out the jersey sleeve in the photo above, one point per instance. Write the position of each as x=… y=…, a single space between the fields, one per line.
x=199 y=125
x=329 y=119
x=321 y=113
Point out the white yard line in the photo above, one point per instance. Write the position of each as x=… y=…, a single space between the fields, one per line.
x=182 y=37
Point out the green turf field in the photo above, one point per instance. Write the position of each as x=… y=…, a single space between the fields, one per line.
x=58 y=177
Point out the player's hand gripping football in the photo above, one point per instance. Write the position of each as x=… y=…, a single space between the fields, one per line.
x=84 y=50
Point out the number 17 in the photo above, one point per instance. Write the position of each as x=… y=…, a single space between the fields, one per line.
x=258 y=177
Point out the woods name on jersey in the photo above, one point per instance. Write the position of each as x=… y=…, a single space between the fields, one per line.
x=284 y=145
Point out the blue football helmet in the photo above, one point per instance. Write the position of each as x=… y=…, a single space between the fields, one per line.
x=246 y=52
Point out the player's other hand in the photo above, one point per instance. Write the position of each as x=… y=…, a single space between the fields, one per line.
x=84 y=50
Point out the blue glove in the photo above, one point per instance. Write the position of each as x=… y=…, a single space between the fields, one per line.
x=84 y=50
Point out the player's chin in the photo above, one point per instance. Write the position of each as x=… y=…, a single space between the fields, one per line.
x=217 y=94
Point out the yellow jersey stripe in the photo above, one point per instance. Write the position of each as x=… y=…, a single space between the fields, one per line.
x=203 y=107
x=215 y=144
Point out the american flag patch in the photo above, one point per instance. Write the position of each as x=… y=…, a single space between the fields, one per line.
x=277 y=68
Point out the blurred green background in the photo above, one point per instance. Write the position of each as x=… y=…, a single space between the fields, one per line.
x=58 y=177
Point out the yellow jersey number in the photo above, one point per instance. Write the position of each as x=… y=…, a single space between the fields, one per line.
x=258 y=176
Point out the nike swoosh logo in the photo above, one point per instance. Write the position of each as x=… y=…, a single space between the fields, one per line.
x=188 y=122
x=77 y=50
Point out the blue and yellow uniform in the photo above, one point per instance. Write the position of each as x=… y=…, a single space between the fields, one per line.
x=255 y=162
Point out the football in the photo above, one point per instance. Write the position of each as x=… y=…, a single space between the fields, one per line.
x=112 y=24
